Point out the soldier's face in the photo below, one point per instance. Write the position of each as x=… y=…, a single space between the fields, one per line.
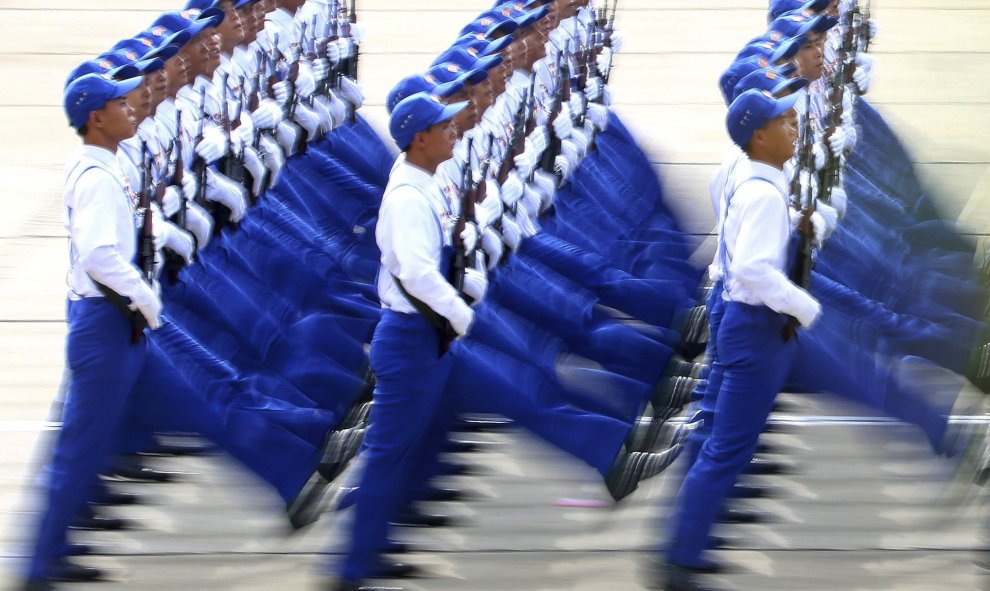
x=115 y=120
x=250 y=21
x=231 y=30
x=810 y=57
x=177 y=73
x=467 y=118
x=778 y=137
x=437 y=141
x=139 y=100
x=158 y=82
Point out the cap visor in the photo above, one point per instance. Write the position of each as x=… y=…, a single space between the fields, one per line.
x=124 y=86
x=150 y=66
x=125 y=72
x=164 y=53
x=448 y=89
x=792 y=84
x=783 y=105
x=472 y=77
x=448 y=112
x=497 y=45
x=787 y=49
x=502 y=29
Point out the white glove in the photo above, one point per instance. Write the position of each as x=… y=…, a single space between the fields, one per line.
x=305 y=80
x=243 y=136
x=345 y=47
x=309 y=120
x=147 y=300
x=823 y=221
x=469 y=238
x=254 y=165
x=228 y=193
x=839 y=201
x=576 y=104
x=333 y=53
x=807 y=318
x=462 y=325
x=852 y=136
x=357 y=32
x=199 y=223
x=488 y=211
x=537 y=141
x=593 y=90
x=491 y=243
x=213 y=145
x=563 y=124
x=545 y=185
x=282 y=91
x=569 y=149
x=526 y=225
x=563 y=167
x=351 y=91
x=617 y=41
x=837 y=142
x=189 y=185
x=321 y=105
x=511 y=234
x=338 y=110
x=160 y=231
x=847 y=100
x=172 y=201
x=597 y=115
x=582 y=141
x=818 y=153
x=273 y=156
x=605 y=60
x=862 y=78
x=287 y=136
x=512 y=190
x=530 y=202
x=874 y=28
x=267 y=115
x=526 y=162
x=475 y=284
x=321 y=68
x=181 y=242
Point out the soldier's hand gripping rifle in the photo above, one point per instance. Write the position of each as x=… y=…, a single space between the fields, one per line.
x=828 y=176
x=559 y=96
x=173 y=261
x=463 y=259
x=146 y=240
x=517 y=140
x=805 y=199
x=199 y=165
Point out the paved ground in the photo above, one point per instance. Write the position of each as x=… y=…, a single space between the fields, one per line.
x=861 y=511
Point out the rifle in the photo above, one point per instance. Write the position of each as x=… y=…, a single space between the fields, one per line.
x=462 y=260
x=553 y=148
x=518 y=138
x=352 y=63
x=174 y=262
x=253 y=101
x=801 y=271
x=828 y=176
x=199 y=165
x=481 y=188
x=179 y=175
x=146 y=241
x=229 y=165
x=864 y=26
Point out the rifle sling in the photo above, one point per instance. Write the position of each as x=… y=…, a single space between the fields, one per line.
x=436 y=320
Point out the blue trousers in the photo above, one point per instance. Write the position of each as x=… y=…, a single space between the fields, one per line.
x=713 y=380
x=410 y=376
x=756 y=360
x=113 y=379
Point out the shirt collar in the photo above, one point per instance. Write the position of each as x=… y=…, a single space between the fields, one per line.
x=411 y=174
x=99 y=154
x=770 y=174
